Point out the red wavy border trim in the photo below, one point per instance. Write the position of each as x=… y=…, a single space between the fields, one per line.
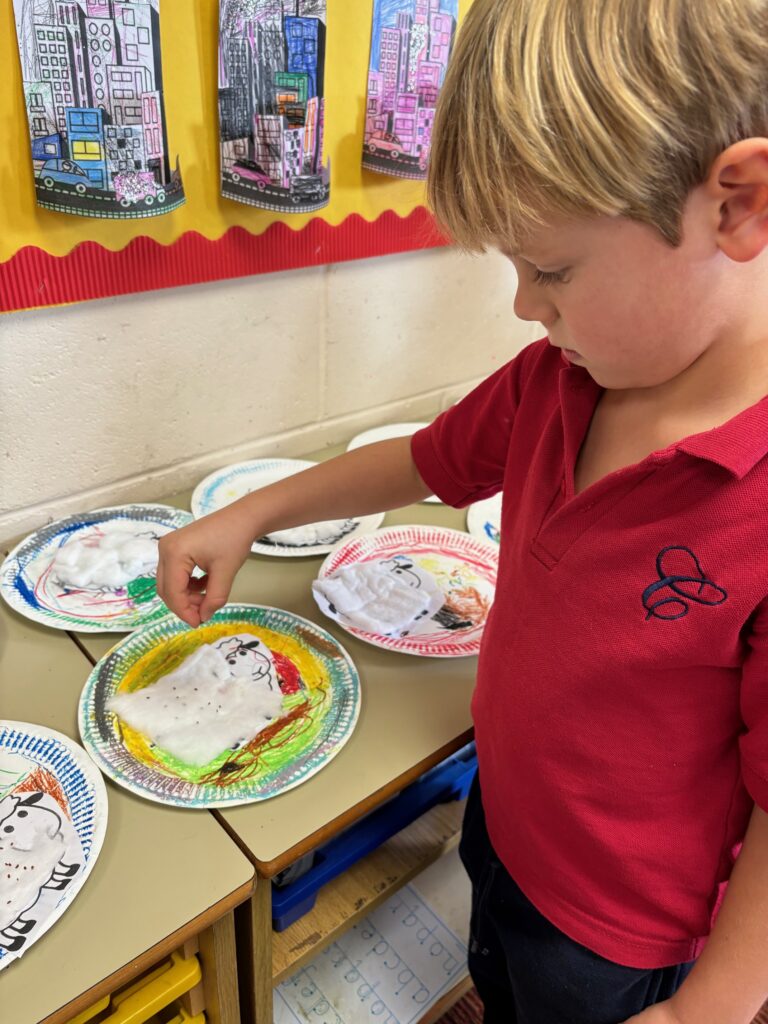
x=32 y=277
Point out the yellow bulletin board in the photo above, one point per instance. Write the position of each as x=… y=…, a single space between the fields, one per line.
x=48 y=257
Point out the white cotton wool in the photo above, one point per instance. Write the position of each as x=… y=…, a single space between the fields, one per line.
x=327 y=532
x=212 y=702
x=28 y=855
x=382 y=597
x=110 y=560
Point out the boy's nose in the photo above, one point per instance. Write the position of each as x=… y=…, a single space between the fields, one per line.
x=531 y=304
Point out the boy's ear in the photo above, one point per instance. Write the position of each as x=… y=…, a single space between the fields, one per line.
x=739 y=181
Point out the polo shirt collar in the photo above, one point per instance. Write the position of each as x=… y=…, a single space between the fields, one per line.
x=737 y=445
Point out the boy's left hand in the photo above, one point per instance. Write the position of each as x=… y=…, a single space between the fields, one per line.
x=661 y=1013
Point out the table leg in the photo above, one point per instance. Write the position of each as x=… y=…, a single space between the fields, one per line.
x=218 y=956
x=254 y=939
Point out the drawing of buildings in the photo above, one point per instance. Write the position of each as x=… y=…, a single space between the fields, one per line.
x=125 y=149
x=271 y=99
x=305 y=43
x=93 y=87
x=154 y=135
x=126 y=85
x=411 y=46
x=55 y=59
x=236 y=99
x=269 y=145
x=102 y=51
x=41 y=114
x=71 y=16
x=85 y=136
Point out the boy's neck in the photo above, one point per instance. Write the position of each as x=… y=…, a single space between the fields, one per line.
x=730 y=376
x=627 y=425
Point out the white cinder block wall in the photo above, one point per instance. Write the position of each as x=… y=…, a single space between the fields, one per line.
x=139 y=396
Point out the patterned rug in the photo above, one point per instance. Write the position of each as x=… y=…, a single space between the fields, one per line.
x=469 y=1010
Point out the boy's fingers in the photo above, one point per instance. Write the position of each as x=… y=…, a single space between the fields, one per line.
x=175 y=580
x=218 y=584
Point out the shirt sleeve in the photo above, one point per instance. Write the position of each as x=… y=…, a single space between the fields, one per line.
x=753 y=743
x=463 y=453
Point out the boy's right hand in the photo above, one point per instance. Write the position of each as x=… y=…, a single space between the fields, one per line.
x=218 y=544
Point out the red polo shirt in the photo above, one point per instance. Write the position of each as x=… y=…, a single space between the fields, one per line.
x=621 y=708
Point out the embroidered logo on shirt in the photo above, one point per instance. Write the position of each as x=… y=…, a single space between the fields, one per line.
x=681 y=580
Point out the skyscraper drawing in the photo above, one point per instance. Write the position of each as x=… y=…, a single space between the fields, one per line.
x=93 y=84
x=411 y=44
x=271 y=103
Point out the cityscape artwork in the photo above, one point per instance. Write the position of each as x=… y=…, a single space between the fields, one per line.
x=93 y=89
x=411 y=43
x=272 y=103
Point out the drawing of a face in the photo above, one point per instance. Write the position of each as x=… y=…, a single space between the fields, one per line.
x=23 y=824
x=402 y=566
x=246 y=656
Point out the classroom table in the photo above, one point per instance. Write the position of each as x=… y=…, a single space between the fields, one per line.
x=415 y=712
x=164 y=876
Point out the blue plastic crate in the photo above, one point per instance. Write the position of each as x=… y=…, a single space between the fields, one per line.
x=295 y=892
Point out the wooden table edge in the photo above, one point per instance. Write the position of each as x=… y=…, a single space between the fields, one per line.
x=151 y=956
x=268 y=869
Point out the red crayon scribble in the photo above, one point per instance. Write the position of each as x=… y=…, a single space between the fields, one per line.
x=41 y=781
x=287 y=674
x=245 y=761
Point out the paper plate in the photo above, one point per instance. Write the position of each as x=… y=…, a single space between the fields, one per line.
x=232 y=482
x=484 y=519
x=321 y=698
x=386 y=433
x=28 y=584
x=464 y=568
x=53 y=802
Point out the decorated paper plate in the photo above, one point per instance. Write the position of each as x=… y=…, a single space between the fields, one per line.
x=386 y=433
x=94 y=571
x=484 y=519
x=463 y=568
x=53 y=816
x=288 y=669
x=232 y=482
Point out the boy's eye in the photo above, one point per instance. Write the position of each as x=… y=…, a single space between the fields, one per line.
x=546 y=277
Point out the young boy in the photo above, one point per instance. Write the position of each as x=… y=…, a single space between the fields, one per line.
x=616 y=150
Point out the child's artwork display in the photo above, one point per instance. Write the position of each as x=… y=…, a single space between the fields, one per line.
x=93 y=88
x=351 y=589
x=241 y=709
x=226 y=485
x=53 y=817
x=411 y=45
x=272 y=103
x=94 y=572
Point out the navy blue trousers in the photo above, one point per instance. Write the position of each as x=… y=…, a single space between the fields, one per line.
x=525 y=970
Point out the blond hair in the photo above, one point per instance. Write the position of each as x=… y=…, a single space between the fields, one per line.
x=590 y=107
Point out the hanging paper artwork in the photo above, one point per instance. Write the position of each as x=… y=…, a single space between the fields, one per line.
x=411 y=44
x=272 y=103
x=93 y=88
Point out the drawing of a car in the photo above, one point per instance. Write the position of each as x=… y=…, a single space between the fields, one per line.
x=249 y=170
x=307 y=187
x=133 y=187
x=386 y=144
x=65 y=172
